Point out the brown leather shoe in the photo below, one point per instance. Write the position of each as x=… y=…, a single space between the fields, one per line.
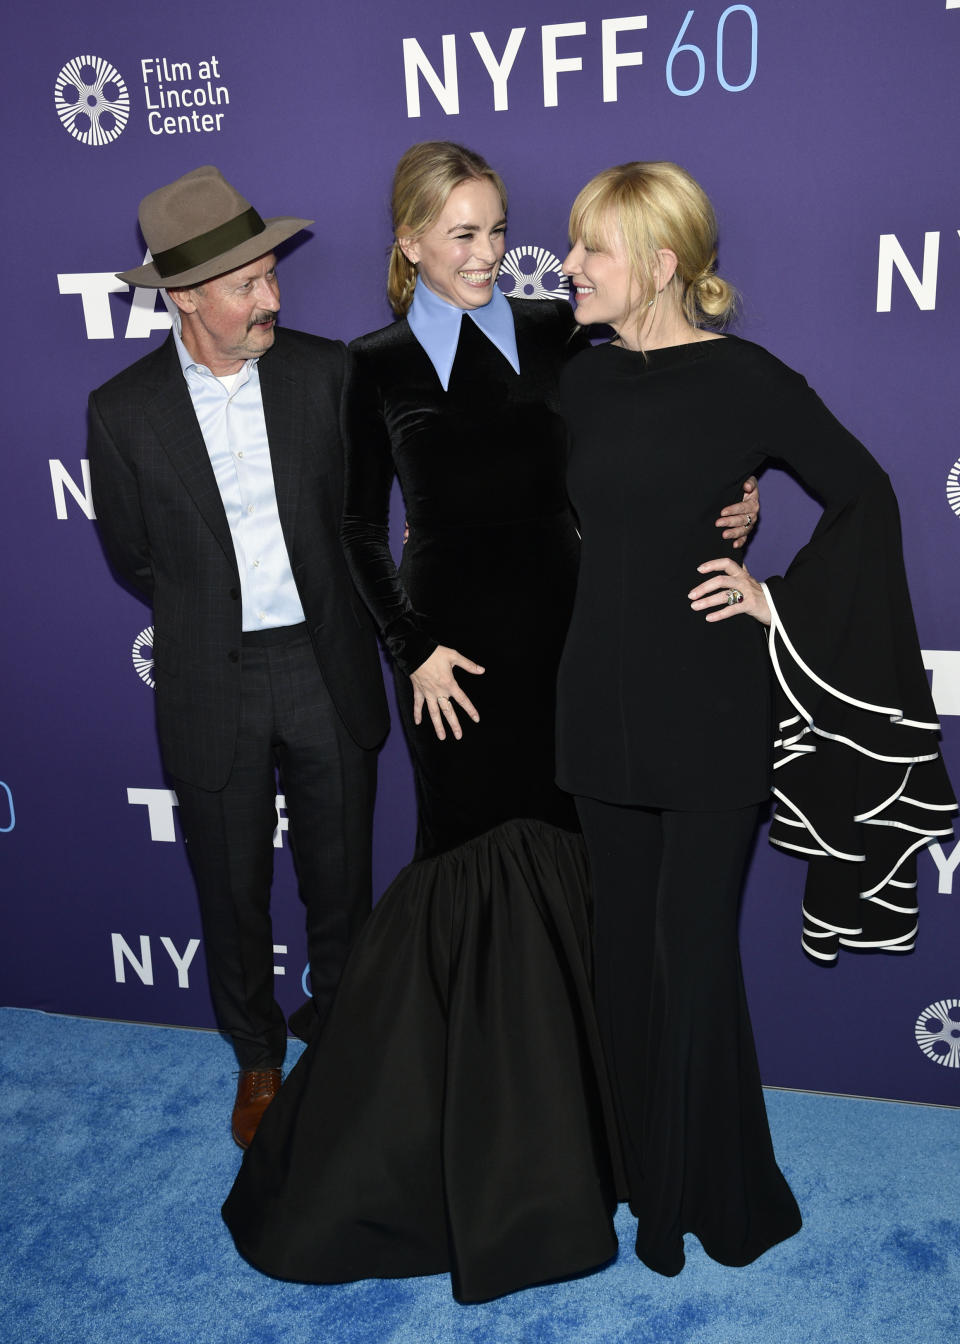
x=256 y=1088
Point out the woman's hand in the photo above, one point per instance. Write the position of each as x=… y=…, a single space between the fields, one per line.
x=435 y=686
x=737 y=520
x=714 y=596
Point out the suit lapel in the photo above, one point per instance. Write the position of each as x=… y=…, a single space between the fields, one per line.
x=170 y=412
x=284 y=410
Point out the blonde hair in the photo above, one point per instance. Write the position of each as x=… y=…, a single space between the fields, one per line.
x=658 y=205
x=423 y=181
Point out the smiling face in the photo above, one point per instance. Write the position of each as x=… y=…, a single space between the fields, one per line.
x=232 y=318
x=605 y=287
x=459 y=255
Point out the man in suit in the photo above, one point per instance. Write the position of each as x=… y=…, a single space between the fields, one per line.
x=217 y=476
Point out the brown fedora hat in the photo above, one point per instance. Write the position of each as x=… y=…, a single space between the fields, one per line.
x=199 y=227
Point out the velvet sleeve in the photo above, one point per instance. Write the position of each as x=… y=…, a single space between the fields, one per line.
x=858 y=777
x=369 y=473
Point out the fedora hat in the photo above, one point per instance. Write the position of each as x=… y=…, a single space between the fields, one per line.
x=198 y=227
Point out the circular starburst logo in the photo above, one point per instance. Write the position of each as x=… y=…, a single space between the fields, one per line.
x=953 y=487
x=92 y=100
x=142 y=653
x=938 y=1032
x=532 y=273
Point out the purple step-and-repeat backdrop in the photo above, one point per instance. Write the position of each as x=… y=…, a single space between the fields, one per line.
x=822 y=133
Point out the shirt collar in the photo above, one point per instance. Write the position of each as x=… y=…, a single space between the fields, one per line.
x=436 y=325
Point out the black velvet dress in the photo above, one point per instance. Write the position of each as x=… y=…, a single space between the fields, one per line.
x=454 y=1114
x=490 y=564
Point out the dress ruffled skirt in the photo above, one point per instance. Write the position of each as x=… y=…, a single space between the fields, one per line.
x=453 y=1114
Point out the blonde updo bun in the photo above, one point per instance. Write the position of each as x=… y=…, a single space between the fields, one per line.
x=658 y=205
x=714 y=298
x=423 y=181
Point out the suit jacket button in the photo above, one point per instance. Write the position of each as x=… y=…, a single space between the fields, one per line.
x=233 y=656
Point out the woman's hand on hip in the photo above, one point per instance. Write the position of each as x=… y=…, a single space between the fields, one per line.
x=731 y=592
x=435 y=686
x=737 y=520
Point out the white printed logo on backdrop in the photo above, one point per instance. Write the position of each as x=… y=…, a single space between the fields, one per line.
x=729 y=49
x=141 y=963
x=183 y=90
x=938 y=1032
x=142 y=654
x=160 y=804
x=92 y=100
x=529 y=272
x=953 y=487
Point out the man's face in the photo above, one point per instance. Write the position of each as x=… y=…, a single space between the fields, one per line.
x=231 y=318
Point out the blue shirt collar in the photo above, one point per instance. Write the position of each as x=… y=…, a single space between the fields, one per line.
x=187 y=360
x=436 y=325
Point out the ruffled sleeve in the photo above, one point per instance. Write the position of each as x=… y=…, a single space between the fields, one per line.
x=858 y=777
x=365 y=532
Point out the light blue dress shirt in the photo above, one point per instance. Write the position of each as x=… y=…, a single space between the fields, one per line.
x=234 y=430
x=436 y=325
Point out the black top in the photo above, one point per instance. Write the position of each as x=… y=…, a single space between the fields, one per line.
x=657 y=707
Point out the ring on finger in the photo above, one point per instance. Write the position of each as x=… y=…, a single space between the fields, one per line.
x=749 y=520
x=734 y=596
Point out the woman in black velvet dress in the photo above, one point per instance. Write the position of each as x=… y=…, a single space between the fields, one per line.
x=454 y=1114
x=666 y=704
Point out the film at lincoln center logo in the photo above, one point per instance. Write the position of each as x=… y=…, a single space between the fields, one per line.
x=530 y=272
x=142 y=654
x=938 y=1032
x=953 y=487
x=92 y=100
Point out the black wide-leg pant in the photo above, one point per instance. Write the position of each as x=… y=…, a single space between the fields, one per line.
x=676 y=1031
x=288 y=723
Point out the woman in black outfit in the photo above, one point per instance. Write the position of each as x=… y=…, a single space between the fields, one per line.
x=666 y=704
x=454 y=1113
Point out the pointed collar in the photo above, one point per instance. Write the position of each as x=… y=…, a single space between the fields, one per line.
x=187 y=360
x=436 y=325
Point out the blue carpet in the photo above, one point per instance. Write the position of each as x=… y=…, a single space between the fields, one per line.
x=116 y=1155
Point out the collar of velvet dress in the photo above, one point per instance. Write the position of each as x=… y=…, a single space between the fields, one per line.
x=436 y=325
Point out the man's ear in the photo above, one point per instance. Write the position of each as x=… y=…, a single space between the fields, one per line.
x=185 y=299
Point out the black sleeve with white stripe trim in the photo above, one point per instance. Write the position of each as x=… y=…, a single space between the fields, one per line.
x=858 y=777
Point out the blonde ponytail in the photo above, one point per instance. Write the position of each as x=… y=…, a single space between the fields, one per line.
x=401 y=280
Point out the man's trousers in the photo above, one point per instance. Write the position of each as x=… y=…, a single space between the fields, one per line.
x=288 y=723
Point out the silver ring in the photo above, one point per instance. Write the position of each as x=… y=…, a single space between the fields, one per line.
x=749 y=520
x=734 y=596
